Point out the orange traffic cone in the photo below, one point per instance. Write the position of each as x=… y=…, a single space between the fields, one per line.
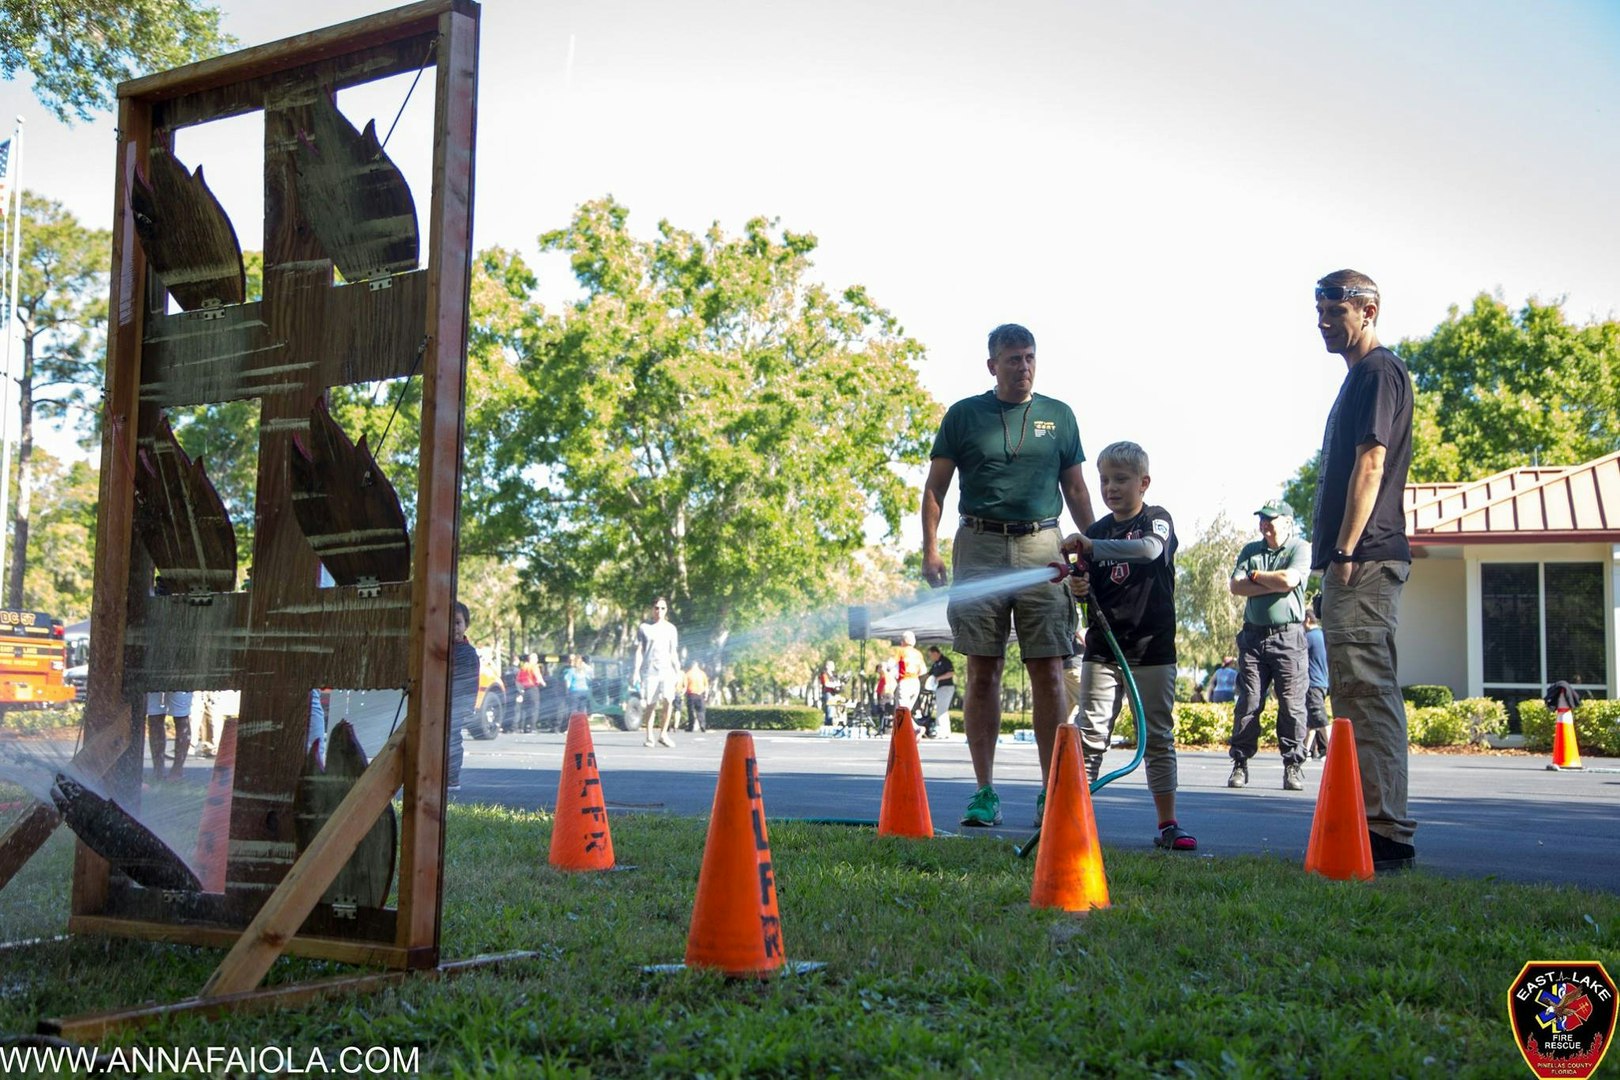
x=1566 y=751
x=905 y=798
x=214 y=834
x=735 y=925
x=1339 y=847
x=580 y=839
x=1069 y=866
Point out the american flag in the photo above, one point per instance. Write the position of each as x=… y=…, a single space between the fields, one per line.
x=5 y=178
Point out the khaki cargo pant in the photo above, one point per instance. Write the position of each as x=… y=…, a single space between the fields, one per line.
x=1358 y=621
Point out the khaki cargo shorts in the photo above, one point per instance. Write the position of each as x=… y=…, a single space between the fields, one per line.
x=1044 y=613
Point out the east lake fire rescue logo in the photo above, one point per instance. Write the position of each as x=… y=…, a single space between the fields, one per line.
x=1563 y=1014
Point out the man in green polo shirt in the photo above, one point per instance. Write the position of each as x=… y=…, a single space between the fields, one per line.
x=1019 y=456
x=1270 y=575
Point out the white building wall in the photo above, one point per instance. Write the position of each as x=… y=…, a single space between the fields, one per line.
x=1431 y=641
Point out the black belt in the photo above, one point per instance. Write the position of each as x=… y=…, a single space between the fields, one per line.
x=1008 y=528
x=1267 y=630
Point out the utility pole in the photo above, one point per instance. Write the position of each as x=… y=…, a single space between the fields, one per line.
x=12 y=325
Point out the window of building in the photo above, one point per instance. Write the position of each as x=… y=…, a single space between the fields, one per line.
x=1542 y=622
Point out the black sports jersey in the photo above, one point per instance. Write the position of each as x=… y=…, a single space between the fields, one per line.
x=1138 y=598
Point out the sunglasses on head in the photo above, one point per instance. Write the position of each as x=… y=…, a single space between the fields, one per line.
x=1335 y=293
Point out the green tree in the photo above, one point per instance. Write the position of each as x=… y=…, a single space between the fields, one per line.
x=1300 y=493
x=1497 y=386
x=62 y=315
x=705 y=423
x=78 y=51
x=62 y=542
x=1208 y=616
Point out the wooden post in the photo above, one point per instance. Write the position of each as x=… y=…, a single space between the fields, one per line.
x=439 y=494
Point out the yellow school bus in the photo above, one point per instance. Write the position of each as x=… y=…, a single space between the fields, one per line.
x=33 y=660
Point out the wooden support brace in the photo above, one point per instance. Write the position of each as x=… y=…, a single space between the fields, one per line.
x=26 y=835
x=92 y=1027
x=290 y=904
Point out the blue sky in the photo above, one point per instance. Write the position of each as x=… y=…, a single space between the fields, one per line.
x=1152 y=188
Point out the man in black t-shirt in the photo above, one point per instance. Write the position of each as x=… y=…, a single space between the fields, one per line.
x=1132 y=556
x=1360 y=546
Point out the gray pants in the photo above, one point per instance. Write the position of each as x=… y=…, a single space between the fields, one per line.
x=1103 y=693
x=1275 y=656
x=1358 y=622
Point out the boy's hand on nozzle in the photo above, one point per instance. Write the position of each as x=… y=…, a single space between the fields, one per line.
x=1080 y=585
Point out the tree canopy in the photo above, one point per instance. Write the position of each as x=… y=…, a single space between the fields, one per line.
x=62 y=315
x=704 y=422
x=1497 y=386
x=78 y=51
x=1208 y=616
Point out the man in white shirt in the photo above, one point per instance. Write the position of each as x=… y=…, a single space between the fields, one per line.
x=657 y=668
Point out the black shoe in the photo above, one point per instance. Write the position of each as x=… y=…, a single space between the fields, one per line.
x=1240 y=774
x=1391 y=855
x=1293 y=778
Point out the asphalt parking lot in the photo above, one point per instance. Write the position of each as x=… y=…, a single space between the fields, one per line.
x=1481 y=816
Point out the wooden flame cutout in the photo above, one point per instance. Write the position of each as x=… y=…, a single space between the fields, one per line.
x=181 y=519
x=354 y=197
x=186 y=234
x=365 y=878
x=346 y=506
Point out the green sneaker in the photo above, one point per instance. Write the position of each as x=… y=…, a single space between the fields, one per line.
x=984 y=809
x=1040 y=807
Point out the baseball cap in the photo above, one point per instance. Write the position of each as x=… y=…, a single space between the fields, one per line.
x=1276 y=508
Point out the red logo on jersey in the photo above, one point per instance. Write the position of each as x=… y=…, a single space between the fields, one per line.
x=1121 y=570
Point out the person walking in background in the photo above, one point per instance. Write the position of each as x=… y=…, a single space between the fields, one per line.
x=909 y=668
x=1222 y=685
x=830 y=686
x=1316 y=717
x=884 y=678
x=944 y=673
x=1019 y=456
x=697 y=696
x=1362 y=551
x=577 y=685
x=657 y=668
x=529 y=683
x=463 y=691
x=160 y=707
x=1132 y=554
x=1270 y=575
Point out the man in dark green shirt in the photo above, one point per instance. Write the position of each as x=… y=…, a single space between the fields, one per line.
x=1270 y=575
x=1019 y=456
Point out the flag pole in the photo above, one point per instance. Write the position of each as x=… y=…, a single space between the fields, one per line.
x=12 y=325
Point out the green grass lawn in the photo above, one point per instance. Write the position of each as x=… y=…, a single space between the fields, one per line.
x=936 y=965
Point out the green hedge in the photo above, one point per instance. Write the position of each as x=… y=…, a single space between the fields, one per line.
x=763 y=717
x=1597 y=726
x=1435 y=725
x=1428 y=697
x=40 y=721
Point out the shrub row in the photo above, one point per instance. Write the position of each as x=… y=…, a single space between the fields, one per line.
x=39 y=721
x=1428 y=697
x=1597 y=726
x=1455 y=724
x=763 y=718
